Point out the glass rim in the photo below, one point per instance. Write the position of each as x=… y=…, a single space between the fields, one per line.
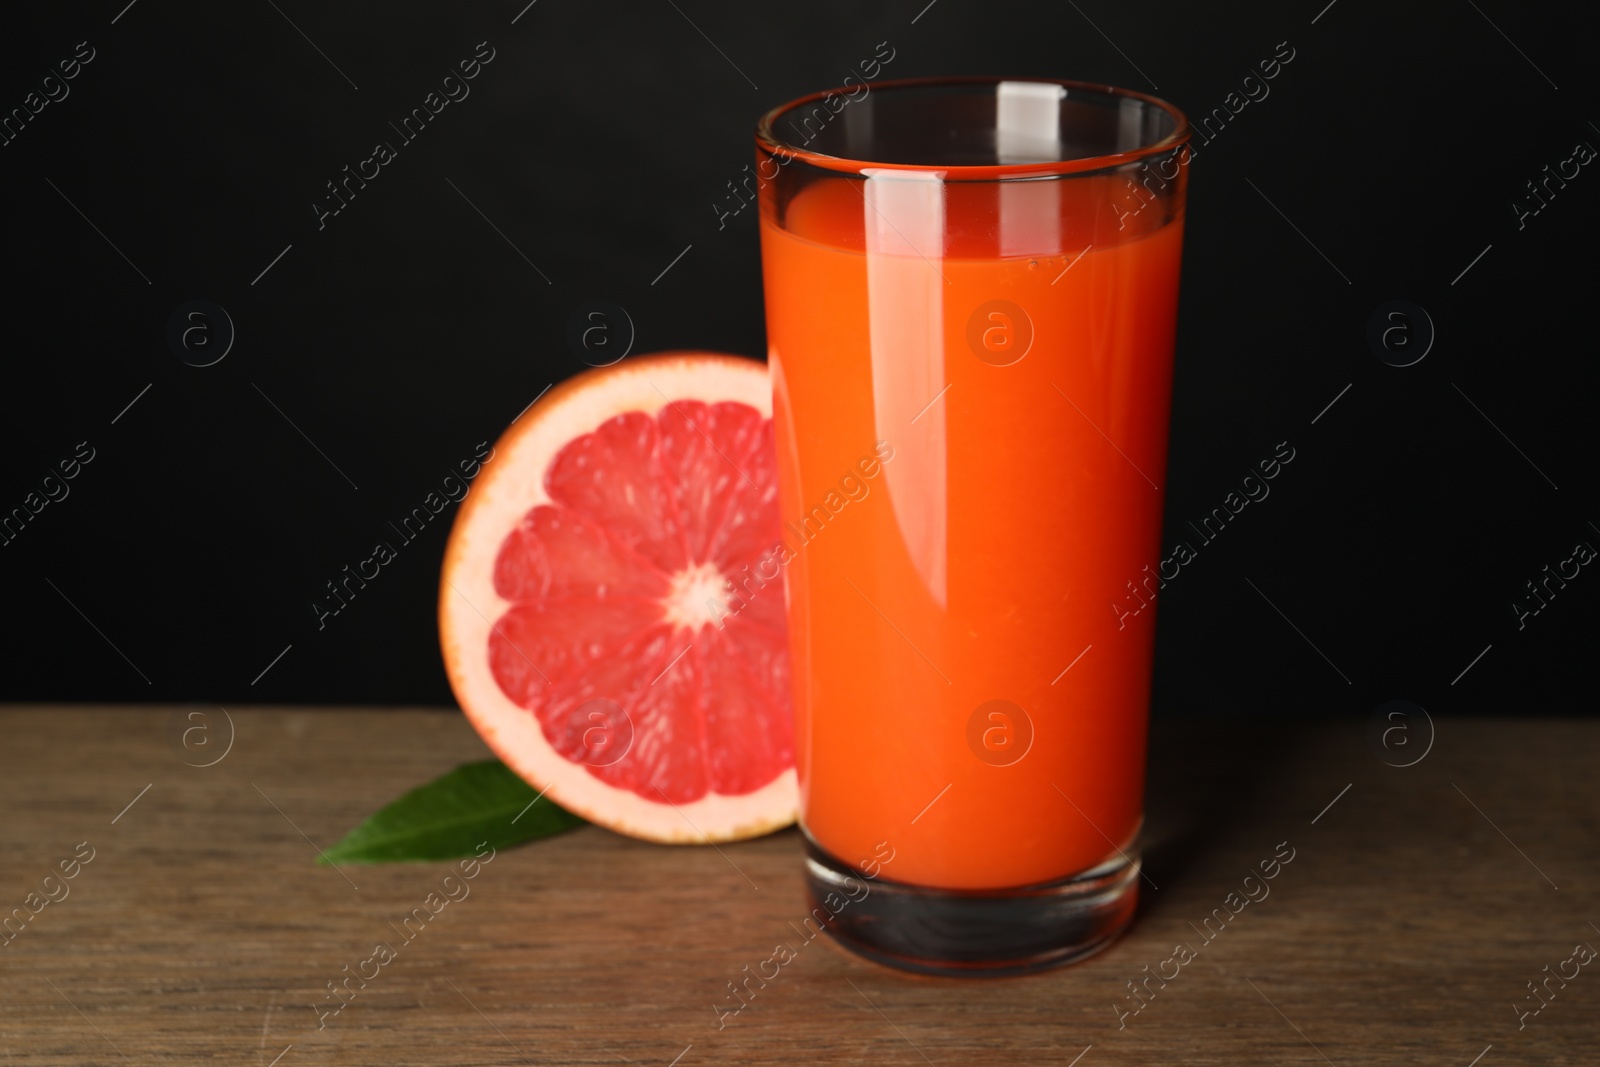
x=769 y=142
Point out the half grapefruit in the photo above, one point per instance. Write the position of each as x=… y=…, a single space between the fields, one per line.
x=587 y=615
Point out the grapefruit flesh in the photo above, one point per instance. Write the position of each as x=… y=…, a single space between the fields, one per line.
x=588 y=617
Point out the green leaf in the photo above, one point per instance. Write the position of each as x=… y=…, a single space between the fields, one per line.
x=453 y=816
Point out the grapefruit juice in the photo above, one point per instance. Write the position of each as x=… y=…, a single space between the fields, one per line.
x=1005 y=526
x=971 y=372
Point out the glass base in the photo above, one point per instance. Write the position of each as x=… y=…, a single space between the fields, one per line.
x=975 y=932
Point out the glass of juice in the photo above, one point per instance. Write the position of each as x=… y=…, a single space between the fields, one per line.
x=971 y=297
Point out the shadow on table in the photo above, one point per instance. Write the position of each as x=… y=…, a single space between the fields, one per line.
x=1207 y=777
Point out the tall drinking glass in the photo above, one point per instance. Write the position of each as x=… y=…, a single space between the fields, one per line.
x=971 y=291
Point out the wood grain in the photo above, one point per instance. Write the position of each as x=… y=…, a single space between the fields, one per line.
x=1404 y=930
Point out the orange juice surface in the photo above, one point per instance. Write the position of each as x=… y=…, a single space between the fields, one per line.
x=971 y=386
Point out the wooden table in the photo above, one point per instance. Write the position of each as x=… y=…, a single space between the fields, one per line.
x=1418 y=905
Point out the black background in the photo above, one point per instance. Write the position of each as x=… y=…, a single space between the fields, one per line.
x=597 y=141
